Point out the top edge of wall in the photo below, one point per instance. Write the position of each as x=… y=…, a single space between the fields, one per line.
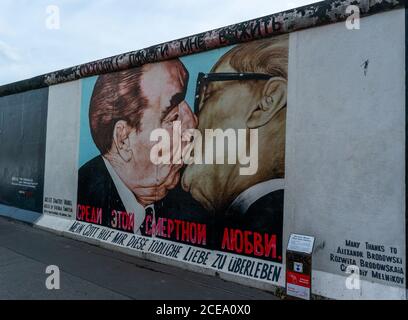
x=309 y=16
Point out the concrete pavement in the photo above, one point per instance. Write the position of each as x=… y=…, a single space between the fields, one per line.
x=89 y=272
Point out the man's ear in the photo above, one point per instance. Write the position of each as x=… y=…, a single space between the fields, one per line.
x=274 y=98
x=121 y=140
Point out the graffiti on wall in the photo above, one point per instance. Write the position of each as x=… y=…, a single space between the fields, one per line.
x=207 y=205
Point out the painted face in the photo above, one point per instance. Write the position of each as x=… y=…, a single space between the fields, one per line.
x=224 y=105
x=164 y=86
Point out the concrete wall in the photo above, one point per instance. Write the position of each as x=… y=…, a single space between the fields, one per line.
x=345 y=145
x=331 y=151
x=61 y=172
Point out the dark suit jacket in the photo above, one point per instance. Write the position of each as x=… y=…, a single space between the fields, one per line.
x=97 y=189
x=264 y=216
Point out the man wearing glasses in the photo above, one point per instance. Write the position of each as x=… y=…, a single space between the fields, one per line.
x=246 y=89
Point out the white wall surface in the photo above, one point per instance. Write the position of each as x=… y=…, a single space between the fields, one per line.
x=346 y=144
x=61 y=164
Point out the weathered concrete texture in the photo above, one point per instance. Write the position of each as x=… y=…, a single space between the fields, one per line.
x=88 y=272
x=309 y=16
x=346 y=145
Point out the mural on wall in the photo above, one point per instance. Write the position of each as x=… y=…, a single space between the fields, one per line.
x=23 y=123
x=246 y=89
x=223 y=206
x=121 y=187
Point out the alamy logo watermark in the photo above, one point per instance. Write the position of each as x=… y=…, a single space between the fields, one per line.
x=231 y=145
x=353 y=280
x=53 y=282
x=53 y=20
x=353 y=21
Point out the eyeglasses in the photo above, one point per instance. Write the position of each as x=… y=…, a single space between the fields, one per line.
x=204 y=79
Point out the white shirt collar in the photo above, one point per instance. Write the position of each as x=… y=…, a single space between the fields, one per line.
x=128 y=198
x=242 y=203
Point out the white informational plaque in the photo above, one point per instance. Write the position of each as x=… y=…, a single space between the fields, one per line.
x=301 y=243
x=299 y=266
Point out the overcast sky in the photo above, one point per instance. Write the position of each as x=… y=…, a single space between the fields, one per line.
x=95 y=29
